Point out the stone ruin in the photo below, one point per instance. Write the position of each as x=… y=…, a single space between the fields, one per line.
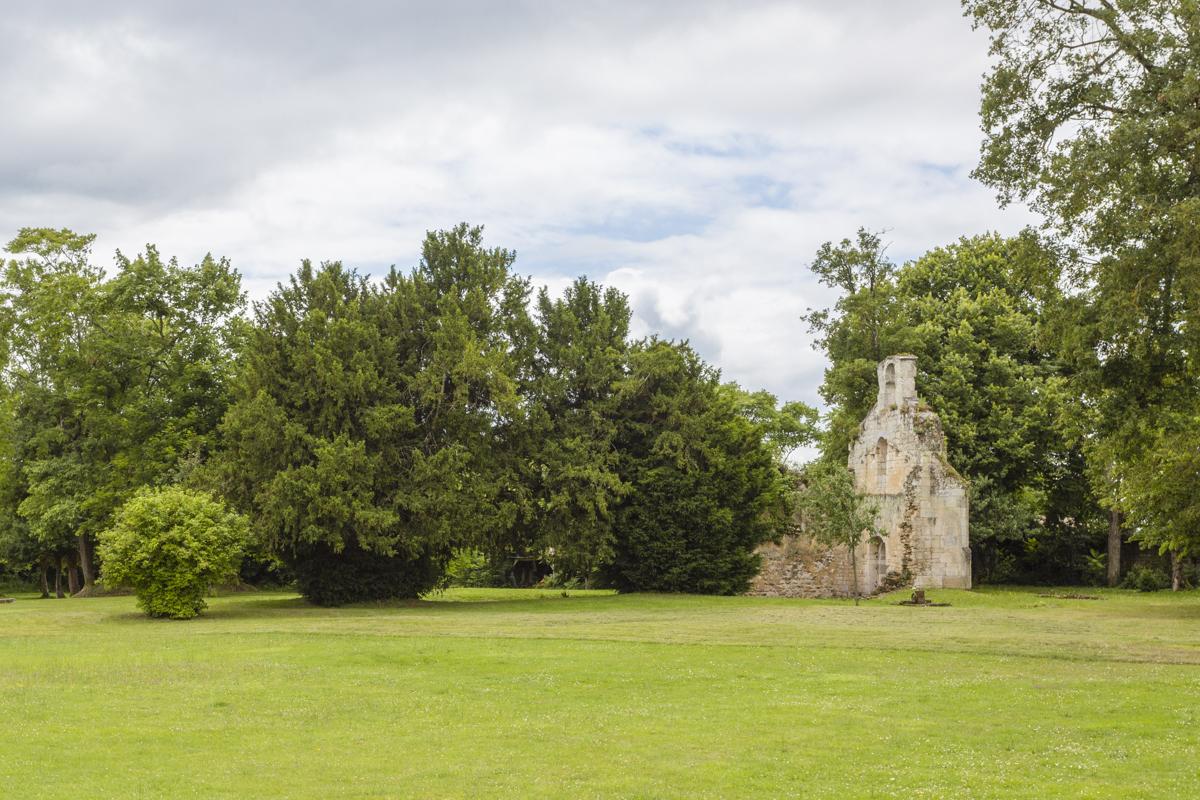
x=899 y=462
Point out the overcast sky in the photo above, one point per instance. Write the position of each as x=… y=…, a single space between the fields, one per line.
x=693 y=154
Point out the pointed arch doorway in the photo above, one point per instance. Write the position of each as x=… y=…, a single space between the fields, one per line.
x=876 y=562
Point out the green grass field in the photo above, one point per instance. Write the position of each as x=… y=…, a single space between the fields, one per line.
x=492 y=693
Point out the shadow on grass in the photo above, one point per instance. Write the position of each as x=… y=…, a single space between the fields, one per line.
x=496 y=600
x=248 y=605
x=476 y=601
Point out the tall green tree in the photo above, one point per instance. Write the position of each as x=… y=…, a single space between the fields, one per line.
x=1090 y=113
x=365 y=443
x=571 y=470
x=978 y=314
x=113 y=381
x=51 y=297
x=859 y=331
x=706 y=486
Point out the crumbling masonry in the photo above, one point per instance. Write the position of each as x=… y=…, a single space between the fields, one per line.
x=899 y=461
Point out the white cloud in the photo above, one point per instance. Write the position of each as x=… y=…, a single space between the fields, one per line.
x=693 y=154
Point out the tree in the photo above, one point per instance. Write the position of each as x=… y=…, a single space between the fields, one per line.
x=366 y=440
x=571 y=426
x=859 y=331
x=113 y=381
x=1159 y=487
x=785 y=428
x=1090 y=113
x=834 y=513
x=706 y=487
x=171 y=545
x=980 y=311
x=50 y=299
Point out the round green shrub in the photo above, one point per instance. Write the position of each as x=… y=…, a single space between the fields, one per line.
x=170 y=545
x=1146 y=579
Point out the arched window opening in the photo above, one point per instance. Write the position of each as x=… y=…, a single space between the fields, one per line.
x=881 y=466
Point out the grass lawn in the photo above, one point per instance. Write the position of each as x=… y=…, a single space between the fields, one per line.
x=494 y=693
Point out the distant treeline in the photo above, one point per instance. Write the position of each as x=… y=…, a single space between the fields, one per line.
x=382 y=436
x=370 y=430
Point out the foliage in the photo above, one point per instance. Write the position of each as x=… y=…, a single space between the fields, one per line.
x=1090 y=112
x=1146 y=578
x=1097 y=567
x=1160 y=486
x=861 y=329
x=834 y=513
x=706 y=487
x=569 y=469
x=979 y=315
x=470 y=567
x=785 y=428
x=170 y=545
x=112 y=380
x=588 y=438
x=1090 y=107
x=328 y=577
x=367 y=440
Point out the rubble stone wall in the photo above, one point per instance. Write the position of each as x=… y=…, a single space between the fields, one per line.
x=899 y=461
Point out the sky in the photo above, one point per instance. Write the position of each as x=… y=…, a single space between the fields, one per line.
x=694 y=154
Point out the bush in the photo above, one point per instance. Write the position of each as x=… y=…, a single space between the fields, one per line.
x=326 y=578
x=1096 y=567
x=474 y=568
x=1146 y=579
x=559 y=580
x=170 y=545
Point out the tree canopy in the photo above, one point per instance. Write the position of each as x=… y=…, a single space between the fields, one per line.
x=360 y=442
x=705 y=487
x=1090 y=113
x=113 y=382
x=980 y=315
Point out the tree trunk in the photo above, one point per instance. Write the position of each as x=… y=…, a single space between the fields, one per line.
x=1114 y=547
x=1176 y=571
x=72 y=575
x=854 y=573
x=44 y=568
x=58 y=592
x=89 y=569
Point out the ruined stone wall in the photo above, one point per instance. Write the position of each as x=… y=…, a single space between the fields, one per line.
x=899 y=461
x=799 y=567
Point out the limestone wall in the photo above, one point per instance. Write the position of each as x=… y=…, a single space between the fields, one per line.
x=798 y=567
x=899 y=461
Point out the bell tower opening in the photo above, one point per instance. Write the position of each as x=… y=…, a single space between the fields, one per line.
x=897 y=376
